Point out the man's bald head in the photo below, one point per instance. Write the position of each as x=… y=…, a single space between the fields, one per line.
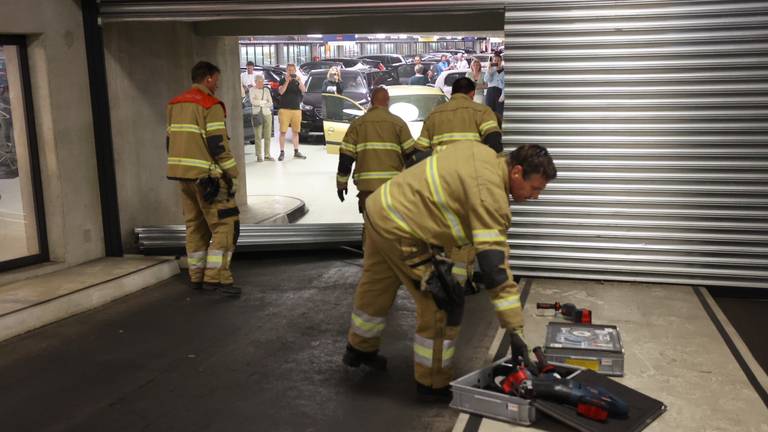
x=380 y=97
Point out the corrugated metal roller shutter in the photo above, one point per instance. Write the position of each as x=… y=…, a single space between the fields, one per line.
x=657 y=116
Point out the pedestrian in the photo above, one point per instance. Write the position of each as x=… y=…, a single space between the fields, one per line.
x=456 y=198
x=261 y=119
x=461 y=62
x=443 y=65
x=429 y=74
x=460 y=119
x=289 y=114
x=477 y=76
x=494 y=79
x=333 y=85
x=418 y=78
x=199 y=157
x=378 y=144
x=248 y=78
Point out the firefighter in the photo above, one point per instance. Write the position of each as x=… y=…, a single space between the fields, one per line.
x=457 y=197
x=199 y=157
x=378 y=143
x=461 y=119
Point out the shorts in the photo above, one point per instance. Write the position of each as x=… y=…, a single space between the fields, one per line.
x=289 y=118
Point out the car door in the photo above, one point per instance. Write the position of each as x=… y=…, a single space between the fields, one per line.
x=405 y=72
x=339 y=111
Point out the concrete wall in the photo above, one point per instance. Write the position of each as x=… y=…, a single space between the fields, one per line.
x=147 y=65
x=63 y=123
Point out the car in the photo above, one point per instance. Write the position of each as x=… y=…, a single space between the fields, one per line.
x=411 y=103
x=272 y=76
x=446 y=79
x=406 y=71
x=308 y=67
x=356 y=63
x=388 y=60
x=357 y=85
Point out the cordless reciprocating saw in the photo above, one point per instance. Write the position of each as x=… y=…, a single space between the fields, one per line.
x=569 y=311
x=543 y=382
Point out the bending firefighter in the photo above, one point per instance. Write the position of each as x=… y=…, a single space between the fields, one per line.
x=199 y=157
x=455 y=198
x=379 y=143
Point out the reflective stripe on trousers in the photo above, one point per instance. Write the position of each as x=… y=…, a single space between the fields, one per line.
x=196 y=260
x=423 y=350
x=214 y=259
x=366 y=325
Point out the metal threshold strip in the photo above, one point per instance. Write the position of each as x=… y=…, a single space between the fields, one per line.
x=169 y=239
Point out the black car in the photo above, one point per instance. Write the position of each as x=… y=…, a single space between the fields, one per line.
x=356 y=85
x=356 y=63
x=388 y=60
x=406 y=71
x=308 y=67
x=272 y=76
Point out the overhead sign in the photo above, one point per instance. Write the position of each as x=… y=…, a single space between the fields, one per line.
x=340 y=38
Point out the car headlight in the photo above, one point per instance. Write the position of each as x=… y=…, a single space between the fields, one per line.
x=305 y=107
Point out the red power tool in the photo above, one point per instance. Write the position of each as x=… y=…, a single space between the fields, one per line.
x=569 y=311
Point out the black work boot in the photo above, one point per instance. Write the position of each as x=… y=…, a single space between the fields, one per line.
x=231 y=291
x=430 y=394
x=353 y=357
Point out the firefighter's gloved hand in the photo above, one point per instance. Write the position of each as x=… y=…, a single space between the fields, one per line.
x=341 y=193
x=519 y=347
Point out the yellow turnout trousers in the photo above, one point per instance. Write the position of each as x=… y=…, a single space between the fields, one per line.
x=212 y=231
x=385 y=268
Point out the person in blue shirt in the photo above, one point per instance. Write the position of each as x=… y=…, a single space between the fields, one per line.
x=494 y=79
x=443 y=65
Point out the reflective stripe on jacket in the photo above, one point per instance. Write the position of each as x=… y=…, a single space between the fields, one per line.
x=458 y=197
x=460 y=119
x=378 y=143
x=197 y=139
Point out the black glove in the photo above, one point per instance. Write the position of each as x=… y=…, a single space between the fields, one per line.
x=519 y=348
x=341 y=193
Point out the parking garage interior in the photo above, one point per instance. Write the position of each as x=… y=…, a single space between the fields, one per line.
x=653 y=112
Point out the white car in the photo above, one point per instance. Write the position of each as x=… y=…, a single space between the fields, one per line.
x=447 y=78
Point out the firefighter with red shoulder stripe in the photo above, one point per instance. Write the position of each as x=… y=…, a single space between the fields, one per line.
x=200 y=159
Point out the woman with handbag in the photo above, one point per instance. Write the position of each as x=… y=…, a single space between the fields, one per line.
x=261 y=118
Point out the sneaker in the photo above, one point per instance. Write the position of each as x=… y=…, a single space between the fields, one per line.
x=354 y=358
x=259 y=159
x=231 y=291
x=281 y=157
x=269 y=158
x=297 y=155
x=442 y=394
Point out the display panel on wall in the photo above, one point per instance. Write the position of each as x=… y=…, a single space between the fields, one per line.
x=21 y=233
x=657 y=116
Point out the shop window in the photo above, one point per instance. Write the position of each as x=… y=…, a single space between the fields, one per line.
x=22 y=230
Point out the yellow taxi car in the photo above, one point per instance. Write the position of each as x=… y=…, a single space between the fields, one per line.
x=412 y=103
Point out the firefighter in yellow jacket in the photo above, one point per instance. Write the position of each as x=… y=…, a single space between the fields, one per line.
x=459 y=120
x=378 y=143
x=457 y=197
x=199 y=157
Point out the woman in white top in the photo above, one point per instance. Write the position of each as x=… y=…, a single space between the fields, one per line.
x=476 y=74
x=261 y=118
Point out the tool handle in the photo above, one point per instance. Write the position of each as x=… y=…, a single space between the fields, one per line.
x=555 y=306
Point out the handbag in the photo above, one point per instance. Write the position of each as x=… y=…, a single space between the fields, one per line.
x=258 y=116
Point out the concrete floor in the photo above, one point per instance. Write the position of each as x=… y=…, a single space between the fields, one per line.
x=673 y=353
x=312 y=180
x=169 y=359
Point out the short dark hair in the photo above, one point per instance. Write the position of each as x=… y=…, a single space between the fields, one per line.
x=463 y=85
x=534 y=159
x=250 y=63
x=203 y=70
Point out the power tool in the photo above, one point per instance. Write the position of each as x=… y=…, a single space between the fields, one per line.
x=543 y=382
x=569 y=311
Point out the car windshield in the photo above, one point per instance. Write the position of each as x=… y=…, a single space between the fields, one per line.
x=415 y=107
x=352 y=83
x=451 y=78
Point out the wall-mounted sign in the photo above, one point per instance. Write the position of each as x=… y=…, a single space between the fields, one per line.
x=339 y=38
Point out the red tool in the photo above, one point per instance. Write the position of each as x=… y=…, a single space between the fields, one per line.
x=569 y=311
